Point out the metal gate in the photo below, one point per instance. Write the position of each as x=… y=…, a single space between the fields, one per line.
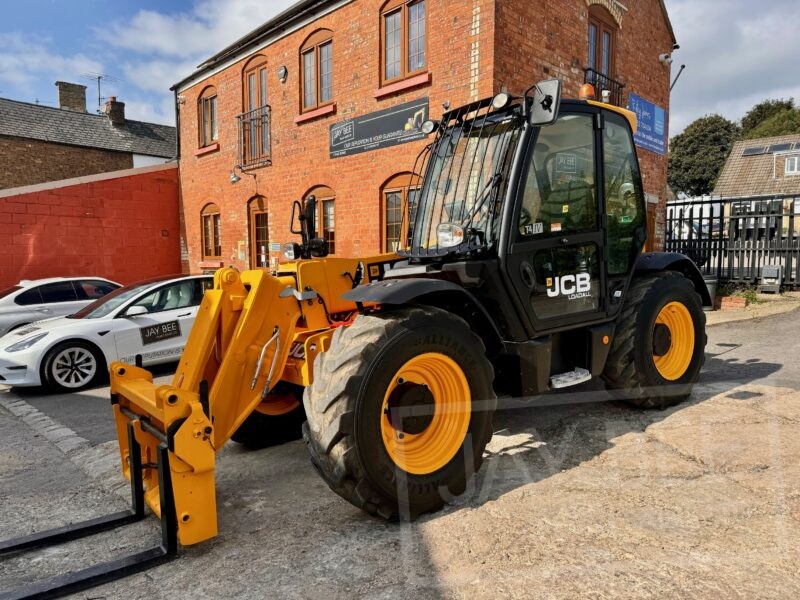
x=732 y=239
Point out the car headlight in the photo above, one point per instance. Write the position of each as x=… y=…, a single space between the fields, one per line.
x=26 y=343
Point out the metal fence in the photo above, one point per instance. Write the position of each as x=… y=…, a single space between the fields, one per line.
x=732 y=239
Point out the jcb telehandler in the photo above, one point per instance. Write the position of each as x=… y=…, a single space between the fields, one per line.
x=520 y=271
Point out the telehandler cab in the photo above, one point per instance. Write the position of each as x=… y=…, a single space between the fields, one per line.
x=521 y=270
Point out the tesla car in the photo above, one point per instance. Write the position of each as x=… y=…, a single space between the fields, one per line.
x=34 y=300
x=151 y=319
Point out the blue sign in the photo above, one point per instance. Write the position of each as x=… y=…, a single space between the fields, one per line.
x=652 y=132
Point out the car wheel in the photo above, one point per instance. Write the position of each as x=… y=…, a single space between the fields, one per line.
x=72 y=366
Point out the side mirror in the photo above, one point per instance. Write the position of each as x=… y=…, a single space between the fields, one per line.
x=311 y=217
x=135 y=311
x=546 y=102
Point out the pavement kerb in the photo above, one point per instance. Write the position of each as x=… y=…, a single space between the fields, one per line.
x=100 y=462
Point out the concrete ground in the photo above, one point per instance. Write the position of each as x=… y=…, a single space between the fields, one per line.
x=592 y=499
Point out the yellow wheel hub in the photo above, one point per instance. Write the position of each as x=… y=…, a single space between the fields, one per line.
x=675 y=359
x=425 y=414
x=277 y=405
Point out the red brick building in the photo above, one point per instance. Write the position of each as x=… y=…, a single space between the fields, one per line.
x=327 y=98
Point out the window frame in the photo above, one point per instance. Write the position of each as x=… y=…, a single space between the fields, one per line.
x=323 y=232
x=404 y=184
x=212 y=213
x=314 y=44
x=257 y=206
x=389 y=8
x=255 y=139
x=207 y=118
x=794 y=171
x=603 y=21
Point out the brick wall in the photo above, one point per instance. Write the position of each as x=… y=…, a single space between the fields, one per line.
x=532 y=44
x=123 y=226
x=474 y=47
x=300 y=151
x=28 y=162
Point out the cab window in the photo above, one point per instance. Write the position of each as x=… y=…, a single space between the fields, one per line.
x=623 y=194
x=559 y=195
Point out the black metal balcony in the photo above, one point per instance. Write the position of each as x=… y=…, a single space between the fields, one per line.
x=604 y=82
x=255 y=140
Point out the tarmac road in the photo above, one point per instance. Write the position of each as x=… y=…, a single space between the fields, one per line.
x=591 y=499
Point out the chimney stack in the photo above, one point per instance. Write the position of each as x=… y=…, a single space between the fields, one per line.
x=71 y=96
x=115 y=111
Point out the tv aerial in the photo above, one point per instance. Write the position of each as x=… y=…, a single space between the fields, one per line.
x=100 y=77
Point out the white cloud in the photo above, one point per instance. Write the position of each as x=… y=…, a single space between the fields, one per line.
x=736 y=54
x=27 y=59
x=162 y=48
x=203 y=31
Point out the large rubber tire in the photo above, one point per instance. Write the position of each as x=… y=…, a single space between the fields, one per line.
x=72 y=366
x=262 y=429
x=631 y=372
x=345 y=405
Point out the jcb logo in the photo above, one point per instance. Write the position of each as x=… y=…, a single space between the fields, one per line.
x=574 y=286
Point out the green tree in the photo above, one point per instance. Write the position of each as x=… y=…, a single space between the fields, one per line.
x=781 y=123
x=697 y=155
x=762 y=112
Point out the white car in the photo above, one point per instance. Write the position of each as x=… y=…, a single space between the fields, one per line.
x=34 y=300
x=151 y=318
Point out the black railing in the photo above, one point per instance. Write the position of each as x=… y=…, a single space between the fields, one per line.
x=616 y=89
x=733 y=239
x=255 y=139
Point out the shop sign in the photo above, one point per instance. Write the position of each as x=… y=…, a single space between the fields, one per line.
x=382 y=129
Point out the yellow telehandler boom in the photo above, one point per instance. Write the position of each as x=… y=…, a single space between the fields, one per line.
x=252 y=331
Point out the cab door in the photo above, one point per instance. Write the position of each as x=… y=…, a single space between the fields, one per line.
x=555 y=259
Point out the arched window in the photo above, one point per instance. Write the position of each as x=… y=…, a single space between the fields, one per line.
x=403 y=40
x=602 y=40
x=259 y=232
x=210 y=231
x=399 y=195
x=316 y=68
x=207 y=117
x=254 y=121
x=325 y=217
x=254 y=83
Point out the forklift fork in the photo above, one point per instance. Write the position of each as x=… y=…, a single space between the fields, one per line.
x=76 y=581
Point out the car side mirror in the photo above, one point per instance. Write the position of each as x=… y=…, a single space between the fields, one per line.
x=546 y=102
x=135 y=311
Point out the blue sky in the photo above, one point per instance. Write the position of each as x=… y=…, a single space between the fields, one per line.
x=737 y=52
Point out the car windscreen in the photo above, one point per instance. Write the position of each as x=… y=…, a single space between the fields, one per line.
x=9 y=291
x=109 y=303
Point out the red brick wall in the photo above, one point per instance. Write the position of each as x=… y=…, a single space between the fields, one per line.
x=28 y=162
x=124 y=227
x=533 y=44
x=474 y=47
